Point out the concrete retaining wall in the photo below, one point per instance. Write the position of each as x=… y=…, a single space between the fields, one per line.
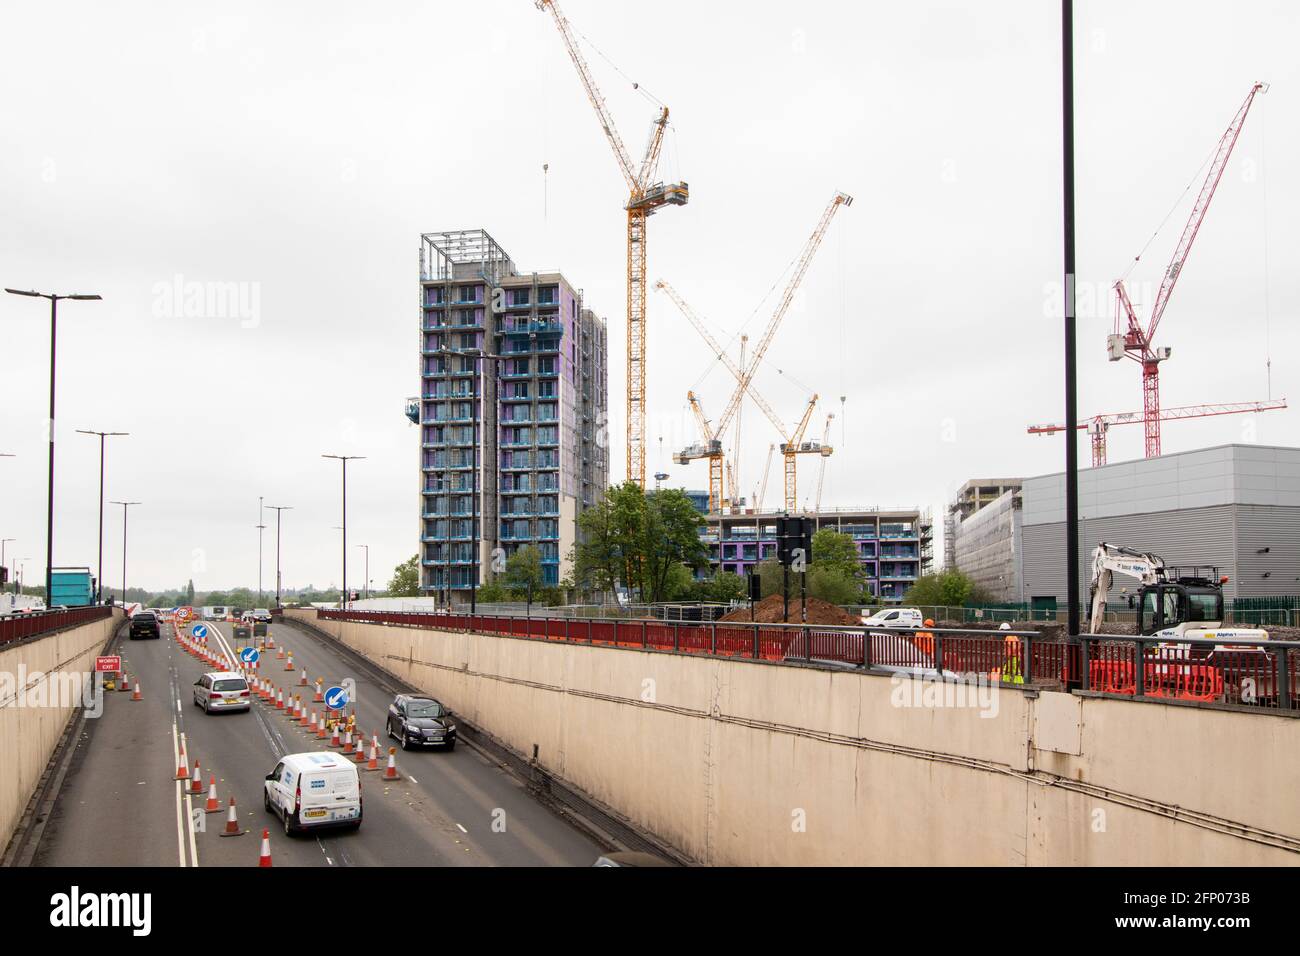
x=745 y=763
x=29 y=734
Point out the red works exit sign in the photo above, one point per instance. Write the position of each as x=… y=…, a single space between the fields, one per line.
x=108 y=664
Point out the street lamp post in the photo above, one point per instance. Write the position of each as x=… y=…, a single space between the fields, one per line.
x=49 y=496
x=343 y=603
x=1071 y=364
x=3 y=542
x=99 y=581
x=261 y=526
x=277 y=509
x=125 y=507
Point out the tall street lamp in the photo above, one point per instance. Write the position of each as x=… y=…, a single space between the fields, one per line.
x=126 y=505
x=49 y=499
x=343 y=603
x=3 y=542
x=99 y=581
x=1071 y=371
x=261 y=526
x=277 y=509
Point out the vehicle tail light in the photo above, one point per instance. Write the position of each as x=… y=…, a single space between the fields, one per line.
x=243 y=693
x=297 y=797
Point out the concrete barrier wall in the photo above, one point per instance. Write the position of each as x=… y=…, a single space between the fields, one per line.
x=29 y=734
x=746 y=763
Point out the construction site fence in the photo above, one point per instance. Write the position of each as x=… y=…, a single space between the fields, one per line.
x=662 y=612
x=1235 y=612
x=1254 y=675
x=21 y=626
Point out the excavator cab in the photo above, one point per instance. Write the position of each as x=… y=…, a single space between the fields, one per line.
x=1183 y=598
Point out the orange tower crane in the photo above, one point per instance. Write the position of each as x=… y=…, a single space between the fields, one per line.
x=645 y=196
x=1136 y=342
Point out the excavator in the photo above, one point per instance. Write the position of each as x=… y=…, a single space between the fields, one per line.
x=1172 y=603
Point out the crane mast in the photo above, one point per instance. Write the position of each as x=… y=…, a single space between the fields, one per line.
x=645 y=196
x=1137 y=343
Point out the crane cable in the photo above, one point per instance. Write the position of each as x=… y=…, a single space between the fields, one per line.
x=1172 y=209
x=1263 y=182
x=635 y=85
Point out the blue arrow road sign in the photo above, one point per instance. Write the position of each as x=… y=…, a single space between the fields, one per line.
x=249 y=655
x=336 y=698
x=200 y=631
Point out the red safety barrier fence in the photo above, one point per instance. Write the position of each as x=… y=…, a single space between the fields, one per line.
x=1255 y=675
x=17 y=627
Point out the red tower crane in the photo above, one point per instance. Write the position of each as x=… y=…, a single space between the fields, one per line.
x=1137 y=343
x=1098 y=425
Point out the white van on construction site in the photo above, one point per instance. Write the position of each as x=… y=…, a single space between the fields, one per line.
x=311 y=790
x=894 y=617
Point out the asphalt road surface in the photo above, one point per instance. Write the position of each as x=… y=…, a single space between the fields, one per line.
x=121 y=805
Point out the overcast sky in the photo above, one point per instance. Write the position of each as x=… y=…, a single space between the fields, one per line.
x=299 y=150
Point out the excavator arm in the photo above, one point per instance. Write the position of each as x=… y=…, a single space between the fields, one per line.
x=1107 y=560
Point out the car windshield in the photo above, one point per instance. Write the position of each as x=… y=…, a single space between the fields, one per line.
x=261 y=610
x=424 y=708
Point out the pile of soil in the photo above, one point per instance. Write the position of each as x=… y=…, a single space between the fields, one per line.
x=770 y=611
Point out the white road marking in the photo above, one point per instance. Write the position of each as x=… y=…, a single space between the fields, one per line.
x=412 y=779
x=180 y=826
x=189 y=813
x=461 y=828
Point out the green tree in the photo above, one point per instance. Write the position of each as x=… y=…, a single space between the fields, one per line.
x=723 y=588
x=637 y=540
x=492 y=593
x=837 y=553
x=524 y=568
x=405 y=581
x=945 y=588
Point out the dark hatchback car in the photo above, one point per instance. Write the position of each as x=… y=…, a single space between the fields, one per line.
x=420 y=722
x=145 y=624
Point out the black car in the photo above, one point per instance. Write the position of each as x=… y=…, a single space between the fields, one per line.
x=420 y=722
x=145 y=624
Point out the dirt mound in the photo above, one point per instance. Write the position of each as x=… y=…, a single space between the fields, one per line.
x=770 y=611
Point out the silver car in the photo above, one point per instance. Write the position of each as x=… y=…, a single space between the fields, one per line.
x=221 y=690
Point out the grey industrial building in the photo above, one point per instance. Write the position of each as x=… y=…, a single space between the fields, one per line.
x=982 y=536
x=1236 y=507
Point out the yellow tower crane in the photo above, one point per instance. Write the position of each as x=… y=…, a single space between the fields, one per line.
x=761 y=493
x=645 y=196
x=710 y=446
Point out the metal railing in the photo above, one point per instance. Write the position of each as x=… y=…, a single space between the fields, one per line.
x=17 y=627
x=1260 y=676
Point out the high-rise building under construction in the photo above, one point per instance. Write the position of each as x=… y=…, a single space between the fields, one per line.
x=534 y=409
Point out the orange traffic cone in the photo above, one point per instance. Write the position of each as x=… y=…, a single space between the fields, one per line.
x=196 y=781
x=347 y=741
x=373 y=763
x=334 y=738
x=232 y=822
x=303 y=720
x=289 y=663
x=265 y=858
x=361 y=748
x=135 y=694
x=183 y=764
x=302 y=682
x=279 y=700
x=124 y=684
x=390 y=772
x=279 y=654
x=320 y=726
x=213 y=806
x=319 y=696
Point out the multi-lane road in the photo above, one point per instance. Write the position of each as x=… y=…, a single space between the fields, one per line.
x=121 y=804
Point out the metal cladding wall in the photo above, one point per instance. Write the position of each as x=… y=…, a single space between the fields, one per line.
x=1220 y=506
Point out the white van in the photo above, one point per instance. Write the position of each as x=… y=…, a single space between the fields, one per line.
x=317 y=789
x=895 y=617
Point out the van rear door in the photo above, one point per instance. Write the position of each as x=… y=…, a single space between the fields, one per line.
x=330 y=790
